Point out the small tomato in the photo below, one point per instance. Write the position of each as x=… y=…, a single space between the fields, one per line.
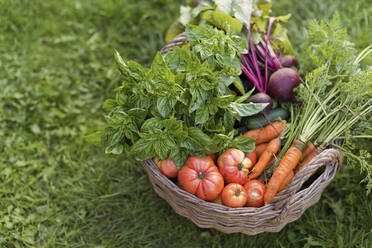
x=234 y=195
x=255 y=190
x=234 y=166
x=167 y=167
x=200 y=177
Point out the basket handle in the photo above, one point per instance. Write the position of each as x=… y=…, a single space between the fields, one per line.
x=330 y=157
x=179 y=40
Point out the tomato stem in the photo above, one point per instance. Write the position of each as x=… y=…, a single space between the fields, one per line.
x=201 y=175
x=237 y=193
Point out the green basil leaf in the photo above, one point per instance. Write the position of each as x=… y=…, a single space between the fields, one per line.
x=243 y=143
x=165 y=105
x=109 y=104
x=151 y=124
x=115 y=149
x=247 y=109
x=202 y=115
x=179 y=157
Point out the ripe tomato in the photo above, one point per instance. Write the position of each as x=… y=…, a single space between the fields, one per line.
x=200 y=177
x=234 y=195
x=253 y=157
x=256 y=191
x=234 y=166
x=167 y=167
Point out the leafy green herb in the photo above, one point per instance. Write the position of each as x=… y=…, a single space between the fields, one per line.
x=181 y=106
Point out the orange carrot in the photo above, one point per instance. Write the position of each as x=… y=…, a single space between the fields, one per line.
x=309 y=149
x=260 y=149
x=286 y=181
x=286 y=165
x=261 y=178
x=267 y=133
x=307 y=159
x=271 y=149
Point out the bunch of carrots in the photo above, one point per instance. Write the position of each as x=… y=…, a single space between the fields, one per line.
x=268 y=143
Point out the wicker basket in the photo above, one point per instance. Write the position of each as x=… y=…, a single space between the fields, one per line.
x=287 y=206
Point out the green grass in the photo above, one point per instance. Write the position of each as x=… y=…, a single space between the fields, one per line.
x=56 y=69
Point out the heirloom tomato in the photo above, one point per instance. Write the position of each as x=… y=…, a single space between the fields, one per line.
x=255 y=190
x=234 y=195
x=234 y=166
x=200 y=177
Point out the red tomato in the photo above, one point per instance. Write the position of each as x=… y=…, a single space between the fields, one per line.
x=234 y=195
x=167 y=167
x=234 y=166
x=253 y=157
x=200 y=177
x=213 y=156
x=256 y=191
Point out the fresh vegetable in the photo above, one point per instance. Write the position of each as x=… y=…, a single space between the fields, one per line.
x=309 y=149
x=286 y=165
x=286 y=181
x=262 y=98
x=288 y=61
x=255 y=191
x=234 y=166
x=258 y=121
x=282 y=82
x=234 y=195
x=307 y=158
x=260 y=149
x=200 y=177
x=266 y=134
x=271 y=149
x=167 y=167
x=251 y=64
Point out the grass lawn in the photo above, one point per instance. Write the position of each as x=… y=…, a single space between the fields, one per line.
x=56 y=69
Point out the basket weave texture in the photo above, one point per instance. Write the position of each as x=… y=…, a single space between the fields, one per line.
x=286 y=207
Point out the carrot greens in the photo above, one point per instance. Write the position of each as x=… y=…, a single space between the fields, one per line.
x=336 y=96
